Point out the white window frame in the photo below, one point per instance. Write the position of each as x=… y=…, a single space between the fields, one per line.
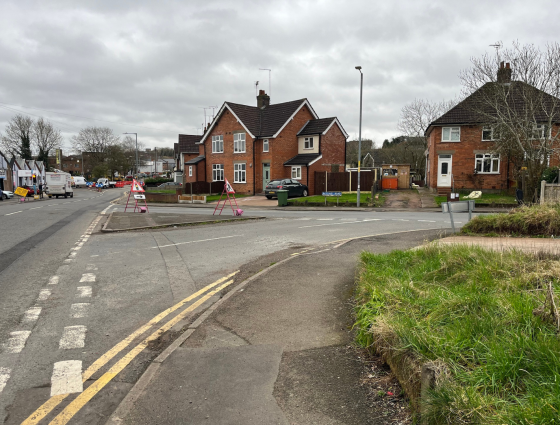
x=539 y=131
x=217 y=171
x=492 y=131
x=218 y=144
x=481 y=158
x=238 y=143
x=308 y=143
x=296 y=172
x=451 y=131
x=265 y=145
x=239 y=172
x=190 y=170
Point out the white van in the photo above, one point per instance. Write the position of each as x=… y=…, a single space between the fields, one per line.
x=79 y=181
x=59 y=184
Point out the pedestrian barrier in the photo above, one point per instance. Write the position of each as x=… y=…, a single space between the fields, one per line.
x=458 y=207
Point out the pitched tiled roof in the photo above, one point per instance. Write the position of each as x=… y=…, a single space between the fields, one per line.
x=475 y=110
x=302 y=159
x=188 y=143
x=316 y=126
x=265 y=122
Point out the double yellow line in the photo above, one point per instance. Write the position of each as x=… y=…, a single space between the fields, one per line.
x=94 y=388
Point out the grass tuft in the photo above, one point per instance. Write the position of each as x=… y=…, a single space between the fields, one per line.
x=471 y=311
x=535 y=220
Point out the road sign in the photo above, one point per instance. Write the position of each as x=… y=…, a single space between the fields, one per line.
x=139 y=196
x=136 y=187
x=332 y=193
x=229 y=188
x=20 y=191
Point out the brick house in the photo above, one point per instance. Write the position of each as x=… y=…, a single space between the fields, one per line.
x=251 y=145
x=461 y=152
x=185 y=149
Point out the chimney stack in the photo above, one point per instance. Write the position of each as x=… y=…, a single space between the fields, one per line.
x=504 y=73
x=263 y=100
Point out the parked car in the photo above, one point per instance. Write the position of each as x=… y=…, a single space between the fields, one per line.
x=30 y=191
x=6 y=194
x=170 y=185
x=293 y=187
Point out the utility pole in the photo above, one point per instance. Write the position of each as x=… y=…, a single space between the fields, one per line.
x=136 y=135
x=359 y=68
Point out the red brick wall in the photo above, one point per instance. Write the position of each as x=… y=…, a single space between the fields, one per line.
x=261 y=158
x=186 y=178
x=332 y=147
x=463 y=160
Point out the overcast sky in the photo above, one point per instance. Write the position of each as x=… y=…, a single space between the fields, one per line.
x=149 y=67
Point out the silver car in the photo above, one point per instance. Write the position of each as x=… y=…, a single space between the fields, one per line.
x=7 y=194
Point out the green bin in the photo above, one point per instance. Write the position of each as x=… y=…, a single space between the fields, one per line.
x=282 y=197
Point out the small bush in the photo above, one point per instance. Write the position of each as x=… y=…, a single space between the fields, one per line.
x=155 y=182
x=535 y=220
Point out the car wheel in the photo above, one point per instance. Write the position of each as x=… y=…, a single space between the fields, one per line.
x=71 y=195
x=269 y=197
x=65 y=195
x=304 y=193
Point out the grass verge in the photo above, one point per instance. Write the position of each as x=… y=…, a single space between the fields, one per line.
x=347 y=199
x=533 y=221
x=474 y=312
x=485 y=198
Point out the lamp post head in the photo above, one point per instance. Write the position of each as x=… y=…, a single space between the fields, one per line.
x=359 y=68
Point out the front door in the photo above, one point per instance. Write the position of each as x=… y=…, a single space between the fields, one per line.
x=444 y=170
x=266 y=174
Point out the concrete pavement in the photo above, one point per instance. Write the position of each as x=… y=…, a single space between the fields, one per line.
x=276 y=352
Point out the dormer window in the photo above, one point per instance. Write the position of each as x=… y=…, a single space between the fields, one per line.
x=451 y=134
x=308 y=143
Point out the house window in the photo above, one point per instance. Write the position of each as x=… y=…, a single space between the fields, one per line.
x=217 y=144
x=296 y=173
x=451 y=134
x=239 y=142
x=487 y=163
x=539 y=131
x=190 y=170
x=488 y=134
x=239 y=173
x=217 y=172
x=308 y=144
x=265 y=145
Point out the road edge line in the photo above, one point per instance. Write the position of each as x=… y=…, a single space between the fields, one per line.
x=125 y=406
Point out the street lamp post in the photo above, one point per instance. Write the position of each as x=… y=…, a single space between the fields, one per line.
x=359 y=68
x=136 y=135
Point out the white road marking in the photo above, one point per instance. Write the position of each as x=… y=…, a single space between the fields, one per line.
x=72 y=254
x=17 y=212
x=76 y=248
x=36 y=208
x=68 y=260
x=73 y=337
x=325 y=219
x=54 y=280
x=183 y=243
x=31 y=315
x=106 y=209
x=79 y=310
x=17 y=341
x=399 y=219
x=87 y=277
x=456 y=222
x=67 y=377
x=44 y=294
x=91 y=267
x=95 y=255
x=332 y=224
x=348 y=219
x=84 y=292
x=428 y=221
x=4 y=376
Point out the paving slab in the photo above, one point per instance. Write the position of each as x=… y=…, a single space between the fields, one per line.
x=528 y=245
x=123 y=221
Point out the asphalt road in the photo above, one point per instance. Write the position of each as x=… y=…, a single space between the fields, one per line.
x=70 y=294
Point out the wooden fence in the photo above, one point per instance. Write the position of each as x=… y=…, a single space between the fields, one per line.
x=203 y=188
x=550 y=192
x=343 y=182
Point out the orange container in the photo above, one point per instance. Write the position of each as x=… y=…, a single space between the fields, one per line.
x=390 y=183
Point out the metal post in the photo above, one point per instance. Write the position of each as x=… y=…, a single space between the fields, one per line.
x=359 y=68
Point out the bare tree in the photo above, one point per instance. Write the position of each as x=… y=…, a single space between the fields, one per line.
x=45 y=138
x=96 y=141
x=417 y=115
x=17 y=138
x=519 y=105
